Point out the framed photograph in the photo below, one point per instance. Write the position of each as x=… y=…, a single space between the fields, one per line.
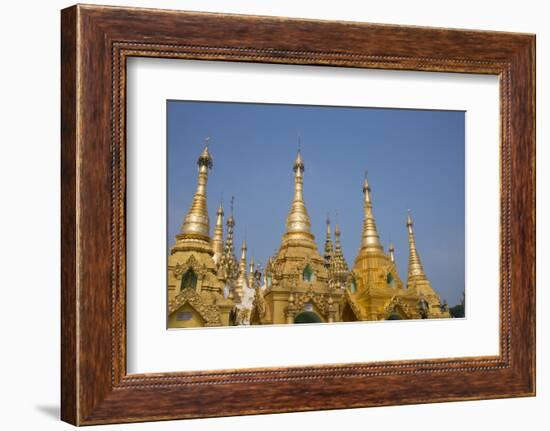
x=267 y=215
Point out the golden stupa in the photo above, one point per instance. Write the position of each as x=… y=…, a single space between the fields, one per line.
x=207 y=286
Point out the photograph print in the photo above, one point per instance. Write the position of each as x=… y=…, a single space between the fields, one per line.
x=294 y=214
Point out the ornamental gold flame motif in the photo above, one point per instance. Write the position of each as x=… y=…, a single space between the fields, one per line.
x=207 y=286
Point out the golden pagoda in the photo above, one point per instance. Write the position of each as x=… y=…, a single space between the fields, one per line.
x=298 y=289
x=417 y=282
x=378 y=291
x=195 y=291
x=207 y=286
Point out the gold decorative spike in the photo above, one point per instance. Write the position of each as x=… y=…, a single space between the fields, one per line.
x=217 y=240
x=338 y=249
x=392 y=252
x=298 y=224
x=242 y=262
x=370 y=241
x=196 y=223
x=416 y=270
x=242 y=279
x=329 y=249
x=251 y=272
x=339 y=267
x=251 y=266
x=228 y=261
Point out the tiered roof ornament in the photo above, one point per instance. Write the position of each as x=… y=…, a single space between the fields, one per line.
x=339 y=268
x=329 y=248
x=228 y=262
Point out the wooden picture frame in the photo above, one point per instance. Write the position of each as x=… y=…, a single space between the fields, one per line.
x=95 y=43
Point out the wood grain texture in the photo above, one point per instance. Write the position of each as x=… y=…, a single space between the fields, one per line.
x=69 y=398
x=96 y=41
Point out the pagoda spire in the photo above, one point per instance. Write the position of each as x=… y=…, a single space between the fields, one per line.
x=196 y=224
x=251 y=272
x=298 y=259
x=338 y=266
x=416 y=270
x=297 y=222
x=370 y=241
x=217 y=240
x=242 y=278
x=228 y=261
x=251 y=265
x=329 y=248
x=242 y=262
x=391 y=249
x=338 y=253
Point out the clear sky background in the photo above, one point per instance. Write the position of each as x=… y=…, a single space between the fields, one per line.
x=414 y=158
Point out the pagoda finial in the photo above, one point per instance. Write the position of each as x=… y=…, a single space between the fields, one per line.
x=409 y=220
x=329 y=249
x=228 y=261
x=196 y=223
x=298 y=167
x=205 y=158
x=231 y=218
x=251 y=272
x=251 y=264
x=242 y=277
x=370 y=240
x=337 y=227
x=338 y=266
x=416 y=270
x=217 y=239
x=337 y=234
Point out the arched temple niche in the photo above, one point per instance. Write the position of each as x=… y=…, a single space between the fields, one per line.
x=189 y=280
x=397 y=313
x=308 y=317
x=307 y=274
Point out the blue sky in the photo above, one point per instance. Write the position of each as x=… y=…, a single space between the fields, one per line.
x=414 y=158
